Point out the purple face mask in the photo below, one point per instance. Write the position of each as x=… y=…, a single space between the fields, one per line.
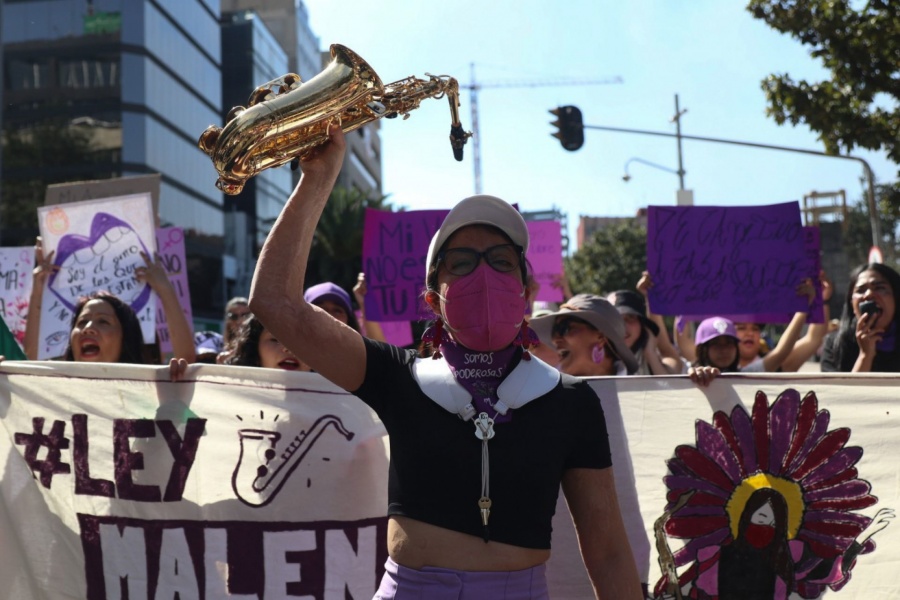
x=484 y=310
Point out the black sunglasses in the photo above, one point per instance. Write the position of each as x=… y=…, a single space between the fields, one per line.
x=235 y=316
x=462 y=261
x=562 y=326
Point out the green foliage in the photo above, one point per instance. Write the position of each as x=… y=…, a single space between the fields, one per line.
x=857 y=238
x=612 y=259
x=34 y=157
x=861 y=49
x=336 y=253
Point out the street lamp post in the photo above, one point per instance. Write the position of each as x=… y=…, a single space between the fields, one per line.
x=626 y=177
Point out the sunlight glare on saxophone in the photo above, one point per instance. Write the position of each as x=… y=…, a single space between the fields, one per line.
x=286 y=118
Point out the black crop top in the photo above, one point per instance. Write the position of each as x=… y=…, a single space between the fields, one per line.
x=435 y=468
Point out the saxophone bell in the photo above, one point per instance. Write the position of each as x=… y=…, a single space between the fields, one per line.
x=285 y=119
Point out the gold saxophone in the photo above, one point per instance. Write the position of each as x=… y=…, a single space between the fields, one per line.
x=285 y=119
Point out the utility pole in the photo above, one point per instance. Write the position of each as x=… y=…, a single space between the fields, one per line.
x=474 y=86
x=677 y=119
x=870 y=177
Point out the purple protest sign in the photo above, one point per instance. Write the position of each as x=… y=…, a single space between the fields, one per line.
x=170 y=241
x=812 y=268
x=725 y=260
x=398 y=333
x=395 y=246
x=545 y=256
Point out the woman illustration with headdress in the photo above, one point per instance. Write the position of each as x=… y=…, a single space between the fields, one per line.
x=762 y=562
x=766 y=503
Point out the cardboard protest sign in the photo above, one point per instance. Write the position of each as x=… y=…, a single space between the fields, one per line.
x=170 y=242
x=725 y=260
x=395 y=246
x=545 y=257
x=97 y=245
x=79 y=191
x=16 y=271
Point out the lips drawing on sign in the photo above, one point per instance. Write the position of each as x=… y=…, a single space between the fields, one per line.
x=112 y=252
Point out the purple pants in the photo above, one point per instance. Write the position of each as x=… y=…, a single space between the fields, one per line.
x=434 y=583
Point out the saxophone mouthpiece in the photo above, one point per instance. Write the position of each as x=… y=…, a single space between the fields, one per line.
x=458 y=139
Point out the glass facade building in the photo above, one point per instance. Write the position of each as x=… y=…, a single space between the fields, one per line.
x=251 y=56
x=113 y=88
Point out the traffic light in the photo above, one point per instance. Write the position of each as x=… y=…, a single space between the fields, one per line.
x=571 y=127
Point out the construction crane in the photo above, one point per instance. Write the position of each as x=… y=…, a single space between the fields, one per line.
x=475 y=86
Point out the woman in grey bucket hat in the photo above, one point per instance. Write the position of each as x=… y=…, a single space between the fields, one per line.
x=589 y=334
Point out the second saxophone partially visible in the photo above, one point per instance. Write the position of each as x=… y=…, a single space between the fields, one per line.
x=285 y=119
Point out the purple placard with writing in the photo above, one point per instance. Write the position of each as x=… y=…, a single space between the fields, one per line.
x=170 y=241
x=545 y=256
x=813 y=262
x=725 y=260
x=395 y=245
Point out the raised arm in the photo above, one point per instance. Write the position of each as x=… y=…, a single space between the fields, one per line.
x=591 y=496
x=370 y=329
x=669 y=355
x=331 y=348
x=807 y=346
x=43 y=268
x=181 y=332
x=774 y=359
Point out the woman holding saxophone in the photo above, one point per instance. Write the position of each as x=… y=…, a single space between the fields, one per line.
x=481 y=436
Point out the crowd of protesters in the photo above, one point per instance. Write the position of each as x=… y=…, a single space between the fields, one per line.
x=486 y=339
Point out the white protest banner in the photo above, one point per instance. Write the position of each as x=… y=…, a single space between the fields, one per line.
x=97 y=246
x=16 y=270
x=821 y=448
x=254 y=483
x=239 y=482
x=170 y=242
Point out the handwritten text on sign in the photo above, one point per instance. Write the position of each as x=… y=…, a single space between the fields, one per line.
x=714 y=259
x=170 y=241
x=97 y=245
x=394 y=252
x=813 y=265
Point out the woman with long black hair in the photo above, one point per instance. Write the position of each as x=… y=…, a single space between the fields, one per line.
x=866 y=340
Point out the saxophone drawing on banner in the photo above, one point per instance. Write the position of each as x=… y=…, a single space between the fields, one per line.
x=263 y=467
x=286 y=119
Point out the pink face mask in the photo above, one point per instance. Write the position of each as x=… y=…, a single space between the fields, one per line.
x=485 y=309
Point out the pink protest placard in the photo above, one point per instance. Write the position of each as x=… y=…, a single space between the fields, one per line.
x=725 y=260
x=395 y=246
x=170 y=241
x=545 y=258
x=398 y=333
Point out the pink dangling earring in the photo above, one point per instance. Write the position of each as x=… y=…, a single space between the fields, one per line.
x=435 y=335
x=598 y=354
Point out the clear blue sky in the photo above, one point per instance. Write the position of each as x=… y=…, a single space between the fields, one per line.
x=712 y=53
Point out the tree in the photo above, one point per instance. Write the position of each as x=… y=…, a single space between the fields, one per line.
x=857 y=238
x=612 y=259
x=861 y=49
x=336 y=253
x=34 y=156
